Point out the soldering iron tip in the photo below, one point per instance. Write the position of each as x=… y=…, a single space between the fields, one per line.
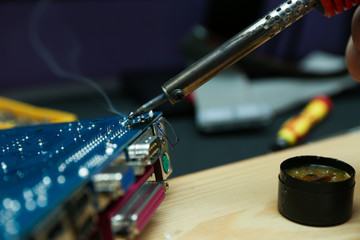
x=157 y=101
x=131 y=115
x=138 y=112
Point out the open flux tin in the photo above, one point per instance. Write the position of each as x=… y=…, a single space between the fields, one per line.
x=315 y=203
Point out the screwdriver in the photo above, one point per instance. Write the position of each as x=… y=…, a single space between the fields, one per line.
x=237 y=47
x=296 y=128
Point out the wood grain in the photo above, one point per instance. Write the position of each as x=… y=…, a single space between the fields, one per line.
x=239 y=200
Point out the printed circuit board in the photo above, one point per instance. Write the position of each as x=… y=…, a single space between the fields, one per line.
x=88 y=179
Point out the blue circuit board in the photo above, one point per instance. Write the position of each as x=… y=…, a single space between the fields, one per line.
x=42 y=165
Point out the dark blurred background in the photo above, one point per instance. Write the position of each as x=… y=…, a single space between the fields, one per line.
x=130 y=47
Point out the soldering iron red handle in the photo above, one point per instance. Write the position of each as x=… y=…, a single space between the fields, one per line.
x=334 y=7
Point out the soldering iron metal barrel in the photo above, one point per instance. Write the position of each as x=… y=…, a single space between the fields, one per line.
x=236 y=48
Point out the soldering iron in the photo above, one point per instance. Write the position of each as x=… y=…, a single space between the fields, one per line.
x=184 y=83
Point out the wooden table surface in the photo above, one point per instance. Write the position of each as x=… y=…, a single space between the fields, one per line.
x=239 y=200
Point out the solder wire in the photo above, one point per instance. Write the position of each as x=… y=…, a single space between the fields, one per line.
x=49 y=60
x=172 y=143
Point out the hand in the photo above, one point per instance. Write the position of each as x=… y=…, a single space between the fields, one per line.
x=353 y=47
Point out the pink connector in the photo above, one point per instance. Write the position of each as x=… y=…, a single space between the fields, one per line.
x=158 y=195
x=133 y=216
x=104 y=223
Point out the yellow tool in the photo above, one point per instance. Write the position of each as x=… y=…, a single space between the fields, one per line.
x=296 y=128
x=14 y=113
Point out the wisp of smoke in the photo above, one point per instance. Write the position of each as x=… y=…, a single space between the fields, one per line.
x=41 y=50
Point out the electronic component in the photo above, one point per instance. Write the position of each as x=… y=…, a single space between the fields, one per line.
x=61 y=181
x=115 y=180
x=105 y=222
x=144 y=151
x=132 y=218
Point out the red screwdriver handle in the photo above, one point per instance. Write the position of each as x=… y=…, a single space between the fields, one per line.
x=334 y=7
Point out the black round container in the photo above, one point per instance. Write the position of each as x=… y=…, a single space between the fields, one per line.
x=315 y=203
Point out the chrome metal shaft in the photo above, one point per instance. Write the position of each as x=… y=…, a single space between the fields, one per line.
x=229 y=53
x=236 y=48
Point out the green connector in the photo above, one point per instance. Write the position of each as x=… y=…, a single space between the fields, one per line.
x=166 y=163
